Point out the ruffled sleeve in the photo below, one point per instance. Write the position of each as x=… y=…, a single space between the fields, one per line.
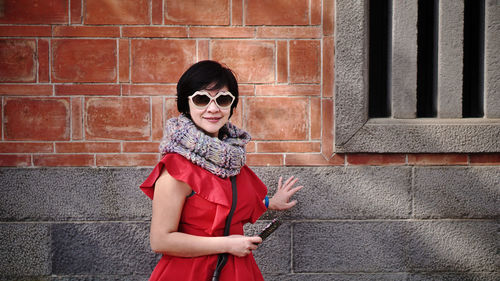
x=248 y=177
x=196 y=177
x=206 y=185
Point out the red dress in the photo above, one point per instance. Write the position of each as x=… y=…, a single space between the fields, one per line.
x=204 y=214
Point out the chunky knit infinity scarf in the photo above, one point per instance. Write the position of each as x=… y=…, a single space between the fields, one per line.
x=223 y=157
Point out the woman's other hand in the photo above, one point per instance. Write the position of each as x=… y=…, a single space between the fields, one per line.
x=240 y=246
x=281 y=199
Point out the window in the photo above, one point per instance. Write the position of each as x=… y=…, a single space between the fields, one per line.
x=417 y=76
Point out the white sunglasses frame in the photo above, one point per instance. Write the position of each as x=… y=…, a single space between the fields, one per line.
x=214 y=99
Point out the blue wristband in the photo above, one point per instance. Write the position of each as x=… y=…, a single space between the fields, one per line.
x=266 y=201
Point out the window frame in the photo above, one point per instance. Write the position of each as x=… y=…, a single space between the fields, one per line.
x=356 y=132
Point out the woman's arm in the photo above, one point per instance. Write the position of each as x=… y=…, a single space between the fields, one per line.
x=169 y=197
x=281 y=199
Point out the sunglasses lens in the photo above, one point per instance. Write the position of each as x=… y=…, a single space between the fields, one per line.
x=224 y=100
x=201 y=100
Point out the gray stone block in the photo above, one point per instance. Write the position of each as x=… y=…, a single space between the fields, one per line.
x=108 y=248
x=472 y=276
x=353 y=192
x=25 y=278
x=457 y=192
x=274 y=254
x=350 y=247
x=453 y=246
x=24 y=249
x=492 y=59
x=450 y=58
x=338 y=277
x=73 y=194
x=404 y=59
x=351 y=57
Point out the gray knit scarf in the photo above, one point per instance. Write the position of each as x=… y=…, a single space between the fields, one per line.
x=223 y=157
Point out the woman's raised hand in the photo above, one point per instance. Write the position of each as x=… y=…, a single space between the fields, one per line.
x=281 y=199
x=240 y=246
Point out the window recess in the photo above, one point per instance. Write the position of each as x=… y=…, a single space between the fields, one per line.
x=417 y=76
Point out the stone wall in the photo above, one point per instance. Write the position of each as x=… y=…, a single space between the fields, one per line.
x=351 y=223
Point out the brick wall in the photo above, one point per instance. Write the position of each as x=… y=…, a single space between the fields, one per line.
x=90 y=83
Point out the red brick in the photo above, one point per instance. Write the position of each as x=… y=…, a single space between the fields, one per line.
x=170 y=108
x=76 y=12
x=282 y=66
x=20 y=160
x=222 y=32
x=161 y=60
x=54 y=160
x=124 y=60
x=309 y=32
x=288 y=147
x=328 y=17
x=328 y=66
x=237 y=117
x=117 y=160
x=264 y=159
x=197 y=12
x=86 y=31
x=26 y=90
x=277 y=118
x=17 y=60
x=25 y=147
x=315 y=110
x=43 y=60
x=437 y=159
x=157 y=118
x=203 y=51
x=376 y=159
x=154 y=31
x=141 y=147
x=157 y=12
x=34 y=12
x=250 y=148
x=149 y=90
x=87 y=89
x=84 y=60
x=237 y=12
x=327 y=129
x=117 y=118
x=252 y=61
x=246 y=90
x=305 y=61
x=76 y=119
x=288 y=90
x=36 y=118
x=117 y=12
x=277 y=12
x=87 y=147
x=306 y=159
x=485 y=159
x=316 y=12
x=26 y=31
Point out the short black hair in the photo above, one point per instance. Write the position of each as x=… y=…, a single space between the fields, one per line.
x=202 y=75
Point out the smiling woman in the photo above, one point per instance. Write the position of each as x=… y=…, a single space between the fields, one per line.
x=202 y=191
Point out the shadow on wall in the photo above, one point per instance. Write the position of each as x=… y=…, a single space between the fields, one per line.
x=397 y=221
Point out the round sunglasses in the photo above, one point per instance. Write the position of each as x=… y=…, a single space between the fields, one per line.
x=201 y=99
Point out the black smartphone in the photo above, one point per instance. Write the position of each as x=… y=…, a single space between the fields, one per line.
x=270 y=228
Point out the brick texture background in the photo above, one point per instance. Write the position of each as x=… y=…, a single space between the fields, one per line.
x=91 y=83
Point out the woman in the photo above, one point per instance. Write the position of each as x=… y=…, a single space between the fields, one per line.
x=191 y=187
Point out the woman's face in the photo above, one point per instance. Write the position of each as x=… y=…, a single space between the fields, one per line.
x=211 y=118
